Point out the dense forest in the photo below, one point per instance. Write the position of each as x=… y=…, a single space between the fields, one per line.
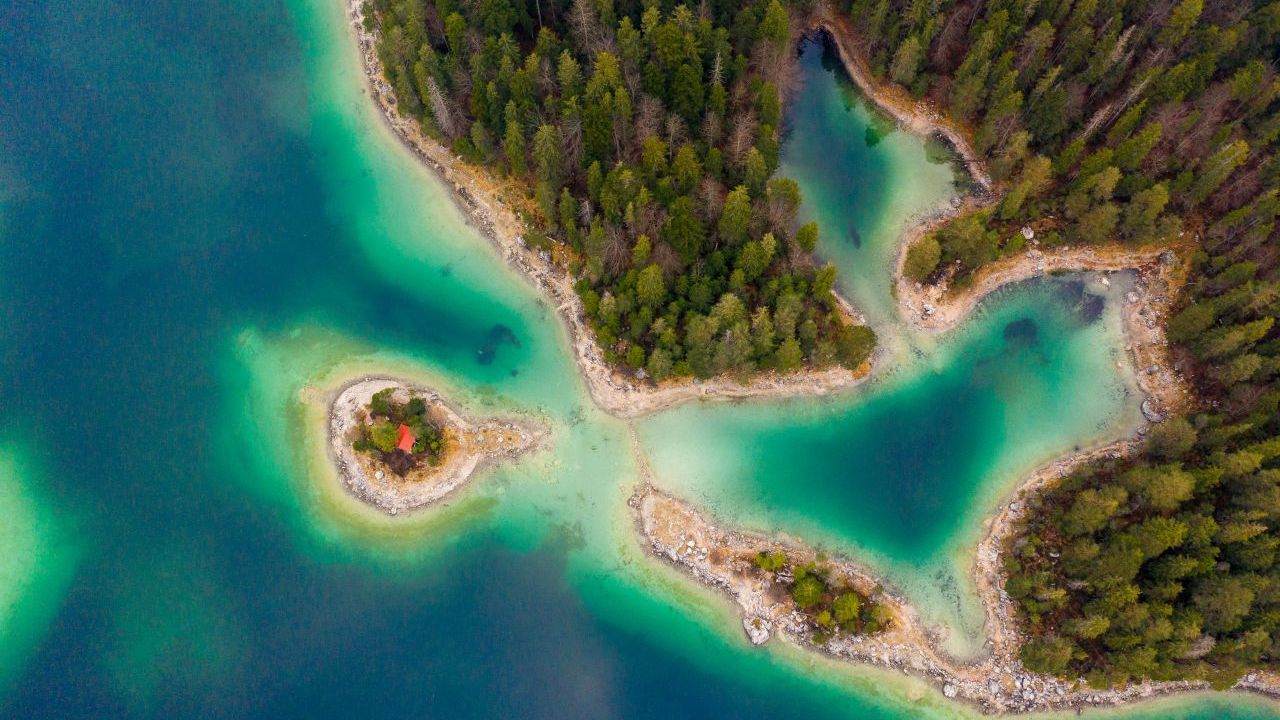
x=1104 y=120
x=647 y=135
x=1132 y=121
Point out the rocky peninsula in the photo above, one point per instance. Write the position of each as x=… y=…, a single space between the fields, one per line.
x=996 y=683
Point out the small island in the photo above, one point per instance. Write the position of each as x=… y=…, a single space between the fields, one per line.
x=401 y=447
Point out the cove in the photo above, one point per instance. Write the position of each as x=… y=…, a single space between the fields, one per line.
x=906 y=469
x=202 y=216
x=864 y=179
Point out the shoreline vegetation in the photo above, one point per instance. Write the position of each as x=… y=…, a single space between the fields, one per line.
x=937 y=307
x=494 y=205
x=701 y=547
x=1159 y=276
x=912 y=115
x=465 y=446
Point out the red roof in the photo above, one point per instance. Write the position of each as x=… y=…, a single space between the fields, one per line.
x=405 y=442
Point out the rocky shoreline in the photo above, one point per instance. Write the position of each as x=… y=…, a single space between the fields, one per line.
x=488 y=204
x=995 y=683
x=471 y=446
x=1159 y=274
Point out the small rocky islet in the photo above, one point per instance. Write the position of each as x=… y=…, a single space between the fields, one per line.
x=400 y=447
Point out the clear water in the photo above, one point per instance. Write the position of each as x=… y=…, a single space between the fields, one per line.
x=906 y=470
x=203 y=224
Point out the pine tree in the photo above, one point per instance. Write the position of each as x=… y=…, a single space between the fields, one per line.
x=906 y=62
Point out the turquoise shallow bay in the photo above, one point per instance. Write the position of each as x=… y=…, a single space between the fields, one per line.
x=201 y=218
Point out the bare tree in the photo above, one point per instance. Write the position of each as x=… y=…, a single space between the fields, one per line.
x=617 y=251
x=1210 y=108
x=547 y=83
x=952 y=42
x=676 y=131
x=1238 y=189
x=770 y=61
x=460 y=80
x=435 y=26
x=571 y=136
x=649 y=219
x=1172 y=117
x=711 y=193
x=667 y=259
x=441 y=111
x=743 y=136
x=621 y=136
x=588 y=28
x=780 y=214
x=711 y=128
x=648 y=120
x=739 y=95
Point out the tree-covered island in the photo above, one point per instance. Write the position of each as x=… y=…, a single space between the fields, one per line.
x=646 y=135
x=399 y=447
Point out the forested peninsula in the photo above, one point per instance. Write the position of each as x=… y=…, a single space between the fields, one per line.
x=1116 y=122
x=646 y=139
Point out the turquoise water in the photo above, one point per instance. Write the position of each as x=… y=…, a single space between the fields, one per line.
x=204 y=226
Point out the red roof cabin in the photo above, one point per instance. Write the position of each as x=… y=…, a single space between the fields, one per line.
x=405 y=442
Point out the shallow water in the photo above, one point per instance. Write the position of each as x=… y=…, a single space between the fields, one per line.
x=202 y=220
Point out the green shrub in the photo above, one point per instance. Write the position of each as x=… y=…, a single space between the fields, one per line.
x=383 y=435
x=773 y=561
x=847 y=606
x=922 y=258
x=380 y=403
x=807 y=591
